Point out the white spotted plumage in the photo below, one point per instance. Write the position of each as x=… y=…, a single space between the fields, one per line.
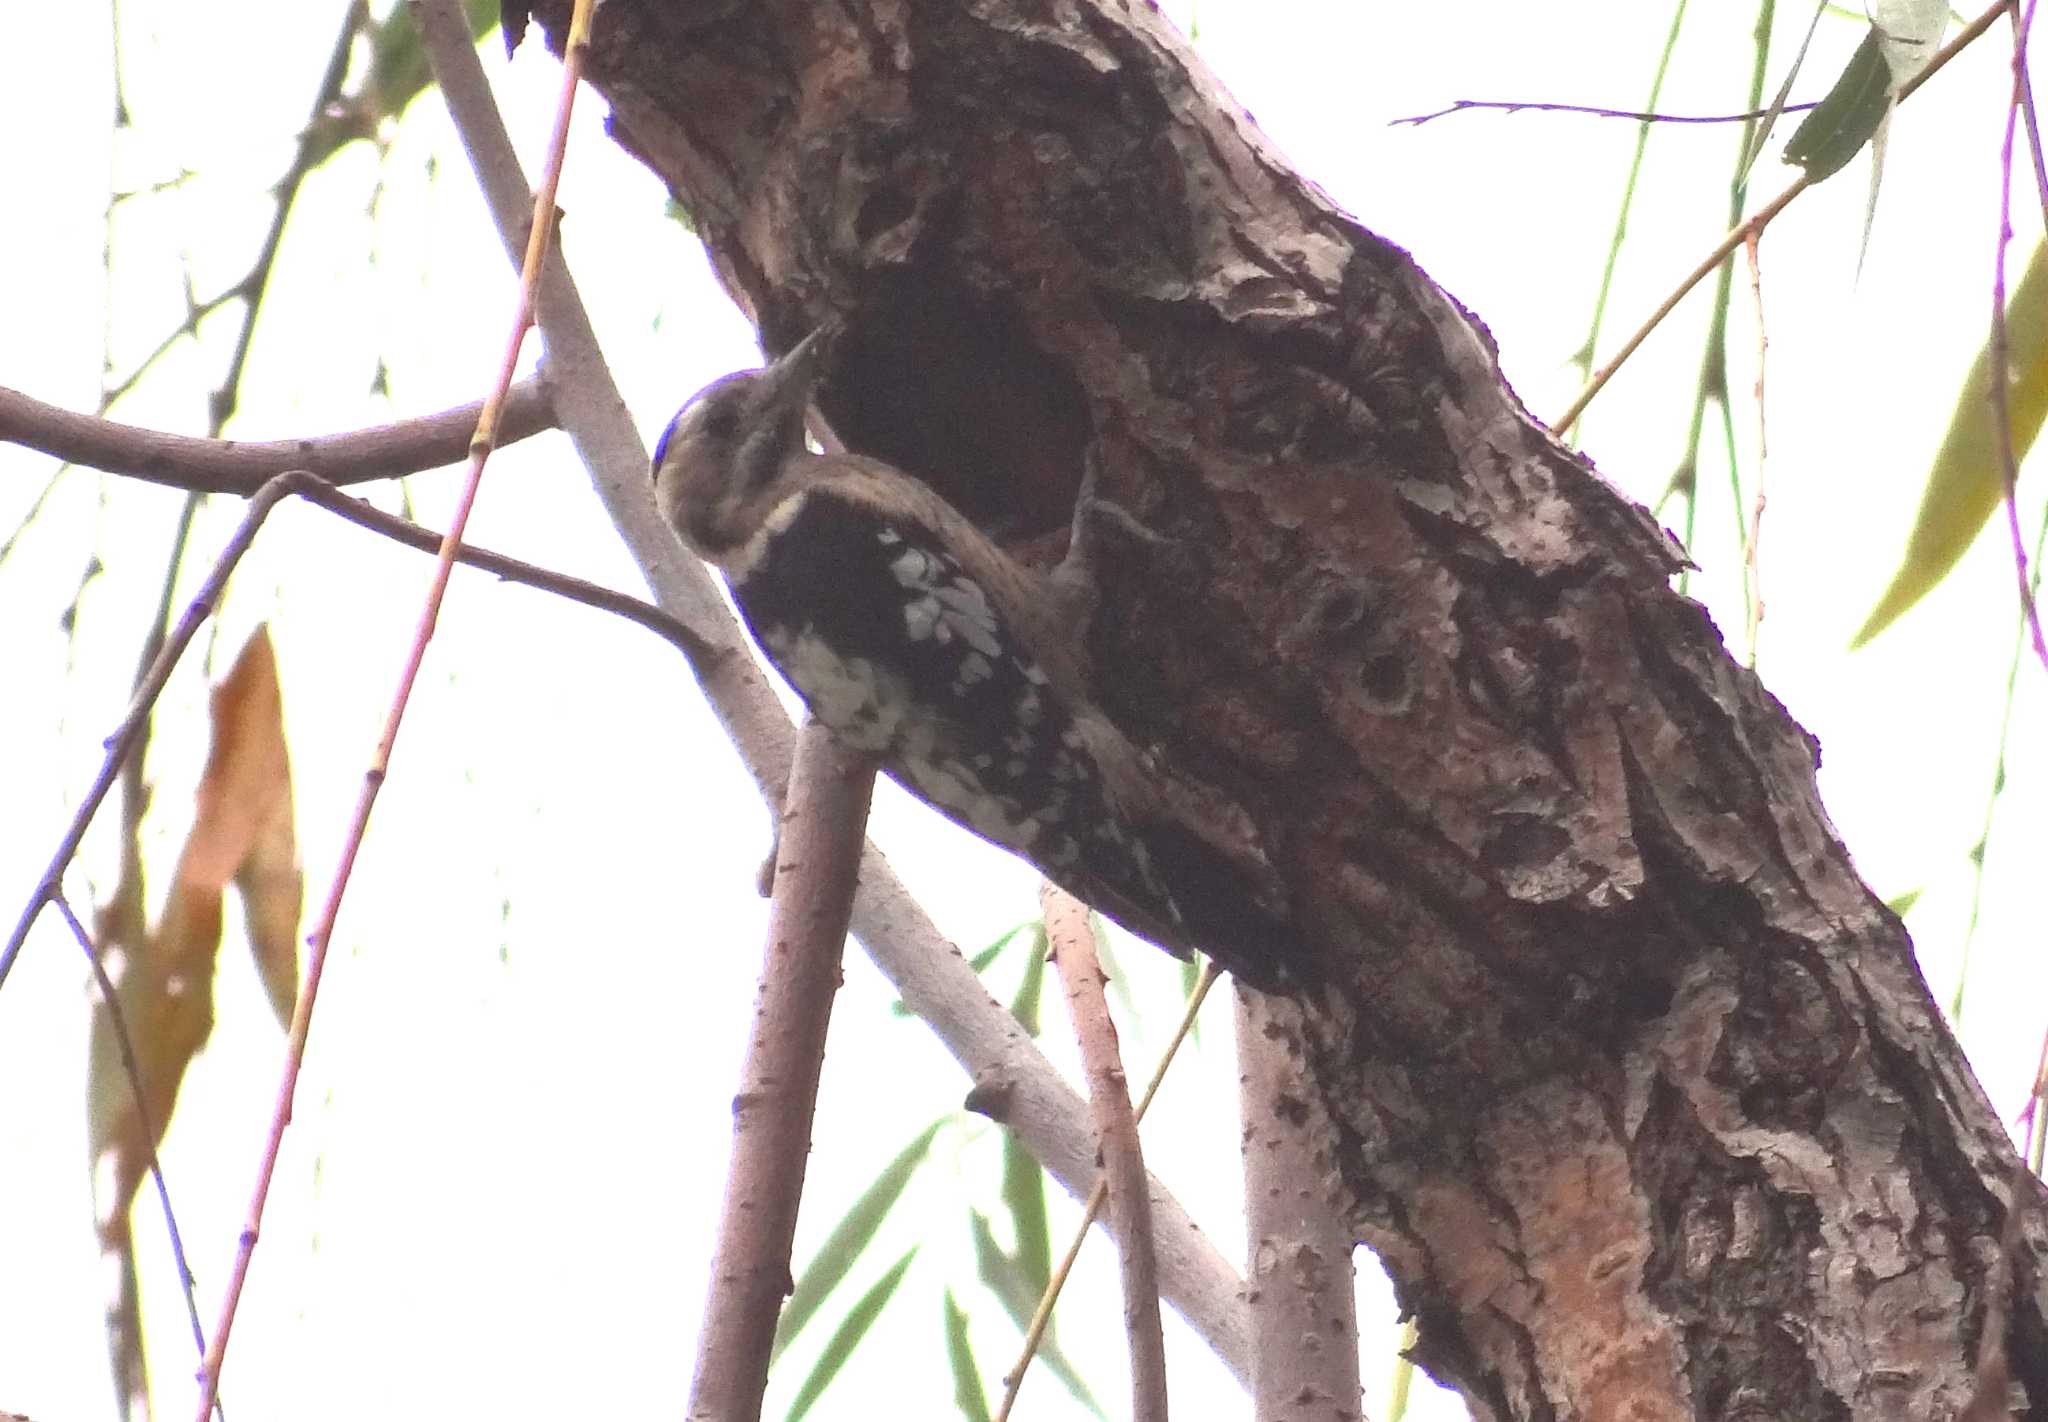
x=912 y=637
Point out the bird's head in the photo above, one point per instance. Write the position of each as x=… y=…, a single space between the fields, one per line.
x=716 y=465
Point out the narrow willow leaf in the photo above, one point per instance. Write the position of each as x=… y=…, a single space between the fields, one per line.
x=968 y=1394
x=1031 y=991
x=1777 y=107
x=1024 y=1198
x=1404 y=1373
x=839 y=1347
x=1908 y=32
x=1838 y=127
x=1902 y=904
x=1001 y=1274
x=1190 y=978
x=1967 y=480
x=849 y=1238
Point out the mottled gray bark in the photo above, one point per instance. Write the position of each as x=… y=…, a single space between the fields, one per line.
x=1635 y=1085
x=1300 y=1286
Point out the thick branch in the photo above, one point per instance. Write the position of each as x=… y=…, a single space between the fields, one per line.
x=1624 y=1065
x=227 y=466
x=935 y=981
x=825 y=816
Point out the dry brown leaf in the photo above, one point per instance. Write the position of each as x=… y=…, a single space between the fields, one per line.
x=241 y=833
x=267 y=874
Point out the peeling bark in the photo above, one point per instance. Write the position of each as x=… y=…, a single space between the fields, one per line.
x=1634 y=1086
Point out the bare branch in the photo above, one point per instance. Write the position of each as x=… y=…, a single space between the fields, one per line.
x=1298 y=1246
x=1042 y=1316
x=374 y=775
x=1751 y=226
x=131 y=1069
x=123 y=740
x=1123 y=1159
x=226 y=466
x=1516 y=106
x=704 y=657
x=816 y=865
x=934 y=980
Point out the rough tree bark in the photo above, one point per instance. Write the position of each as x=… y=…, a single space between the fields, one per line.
x=1634 y=1086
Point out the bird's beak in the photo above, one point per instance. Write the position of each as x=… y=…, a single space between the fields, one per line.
x=794 y=375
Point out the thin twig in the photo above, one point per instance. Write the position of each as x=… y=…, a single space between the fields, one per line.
x=2001 y=349
x=1711 y=386
x=195 y=312
x=1116 y=1127
x=131 y=1067
x=125 y=736
x=1980 y=851
x=2033 y=118
x=1753 y=530
x=35 y=511
x=702 y=655
x=227 y=466
x=935 y=982
x=249 y=291
x=1041 y=1318
x=1752 y=225
x=1515 y=106
x=380 y=760
x=250 y=286
x=817 y=864
x=1583 y=357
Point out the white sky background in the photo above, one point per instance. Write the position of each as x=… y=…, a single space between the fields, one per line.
x=510 y=1140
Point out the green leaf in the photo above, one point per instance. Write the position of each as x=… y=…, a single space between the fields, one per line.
x=852 y=1235
x=1024 y=1197
x=398 y=73
x=1005 y=1279
x=1024 y=1006
x=1404 y=1374
x=968 y=1394
x=1967 y=481
x=1902 y=904
x=1844 y=121
x=1776 y=110
x=839 y=1347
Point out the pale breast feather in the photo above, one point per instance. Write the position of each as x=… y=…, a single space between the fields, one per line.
x=902 y=654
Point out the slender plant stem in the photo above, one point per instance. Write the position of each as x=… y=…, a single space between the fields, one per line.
x=322 y=935
x=1754 y=224
x=1041 y=1319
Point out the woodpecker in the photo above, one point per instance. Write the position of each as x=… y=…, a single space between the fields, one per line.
x=913 y=637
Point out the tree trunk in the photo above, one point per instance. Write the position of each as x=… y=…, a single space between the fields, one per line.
x=1634 y=1086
